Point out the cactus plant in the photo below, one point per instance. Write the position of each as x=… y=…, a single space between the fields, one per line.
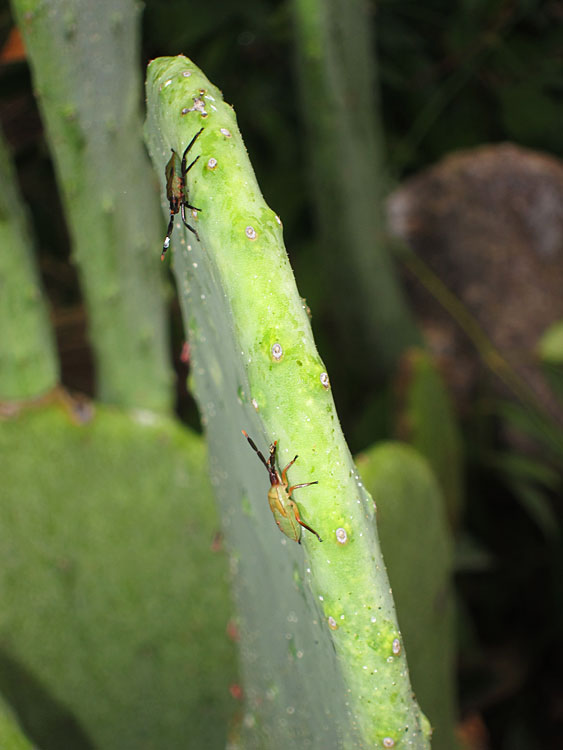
x=11 y=736
x=338 y=89
x=426 y=419
x=114 y=600
x=28 y=365
x=83 y=60
x=110 y=632
x=411 y=520
x=322 y=656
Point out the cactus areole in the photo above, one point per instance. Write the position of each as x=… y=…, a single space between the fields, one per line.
x=285 y=510
x=176 y=191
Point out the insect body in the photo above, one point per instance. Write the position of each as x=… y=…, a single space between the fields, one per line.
x=286 y=513
x=176 y=191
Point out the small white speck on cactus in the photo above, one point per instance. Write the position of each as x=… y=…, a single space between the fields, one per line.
x=277 y=352
x=341 y=536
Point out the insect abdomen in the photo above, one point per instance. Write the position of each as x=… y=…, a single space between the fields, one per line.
x=280 y=505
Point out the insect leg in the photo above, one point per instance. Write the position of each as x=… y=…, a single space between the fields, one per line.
x=186 y=170
x=284 y=472
x=183 y=215
x=297 y=486
x=189 y=205
x=188 y=147
x=302 y=523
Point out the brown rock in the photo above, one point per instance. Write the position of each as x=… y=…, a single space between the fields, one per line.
x=489 y=223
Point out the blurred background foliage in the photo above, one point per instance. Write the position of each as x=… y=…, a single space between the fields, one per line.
x=451 y=76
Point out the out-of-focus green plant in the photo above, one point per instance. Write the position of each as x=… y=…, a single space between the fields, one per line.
x=85 y=72
x=337 y=76
x=411 y=521
x=11 y=736
x=111 y=634
x=427 y=421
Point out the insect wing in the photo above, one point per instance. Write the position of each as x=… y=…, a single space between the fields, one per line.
x=282 y=509
x=169 y=172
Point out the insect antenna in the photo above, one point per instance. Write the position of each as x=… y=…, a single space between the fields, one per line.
x=270 y=467
x=167 y=238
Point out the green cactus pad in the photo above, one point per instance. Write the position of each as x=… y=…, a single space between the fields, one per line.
x=317 y=622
